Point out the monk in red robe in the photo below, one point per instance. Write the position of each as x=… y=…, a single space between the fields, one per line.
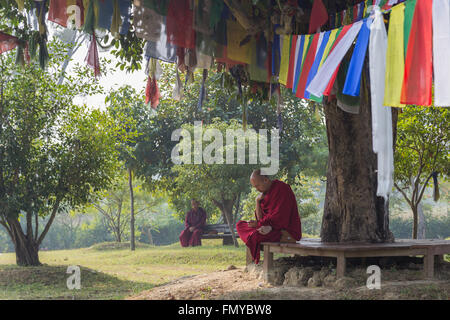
x=194 y=222
x=276 y=215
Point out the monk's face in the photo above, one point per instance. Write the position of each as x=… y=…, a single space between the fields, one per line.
x=262 y=184
x=194 y=204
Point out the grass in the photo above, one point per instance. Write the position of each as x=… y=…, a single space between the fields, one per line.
x=111 y=271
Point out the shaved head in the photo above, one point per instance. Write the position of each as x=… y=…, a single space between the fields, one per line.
x=260 y=182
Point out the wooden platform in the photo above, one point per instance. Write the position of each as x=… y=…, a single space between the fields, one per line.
x=429 y=249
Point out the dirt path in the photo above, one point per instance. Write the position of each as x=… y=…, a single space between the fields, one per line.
x=238 y=284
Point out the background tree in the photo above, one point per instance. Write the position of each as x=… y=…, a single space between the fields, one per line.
x=54 y=156
x=422 y=150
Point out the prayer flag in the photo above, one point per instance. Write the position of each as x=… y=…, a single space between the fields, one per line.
x=418 y=77
x=284 y=64
x=330 y=66
x=319 y=16
x=395 y=59
x=353 y=80
x=382 y=138
x=441 y=50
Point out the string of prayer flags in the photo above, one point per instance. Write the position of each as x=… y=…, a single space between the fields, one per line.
x=292 y=57
x=418 y=76
x=395 y=58
x=441 y=49
x=353 y=81
x=341 y=36
x=302 y=45
x=327 y=74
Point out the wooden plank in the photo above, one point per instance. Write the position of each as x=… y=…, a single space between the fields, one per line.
x=268 y=262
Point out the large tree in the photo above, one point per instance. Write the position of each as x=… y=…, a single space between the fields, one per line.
x=353 y=211
x=54 y=155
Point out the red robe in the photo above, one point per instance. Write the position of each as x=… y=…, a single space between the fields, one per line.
x=196 y=219
x=279 y=209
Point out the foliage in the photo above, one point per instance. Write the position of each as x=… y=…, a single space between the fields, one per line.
x=55 y=156
x=422 y=148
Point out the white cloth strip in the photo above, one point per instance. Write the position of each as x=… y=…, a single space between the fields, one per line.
x=441 y=50
x=381 y=116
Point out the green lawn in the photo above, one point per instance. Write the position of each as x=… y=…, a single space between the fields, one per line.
x=108 y=273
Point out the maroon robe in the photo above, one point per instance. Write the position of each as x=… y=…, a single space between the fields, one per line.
x=196 y=219
x=279 y=210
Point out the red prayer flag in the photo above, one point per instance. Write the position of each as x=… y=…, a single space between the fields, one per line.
x=418 y=77
x=309 y=60
x=152 y=93
x=290 y=80
x=319 y=16
x=57 y=12
x=7 y=42
x=180 y=31
x=92 y=59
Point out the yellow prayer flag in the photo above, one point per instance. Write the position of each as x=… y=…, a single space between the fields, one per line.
x=284 y=64
x=395 y=58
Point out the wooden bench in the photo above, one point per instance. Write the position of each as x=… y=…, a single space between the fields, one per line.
x=429 y=249
x=223 y=232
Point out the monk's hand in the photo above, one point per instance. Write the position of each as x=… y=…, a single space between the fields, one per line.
x=259 y=198
x=252 y=224
x=191 y=229
x=264 y=230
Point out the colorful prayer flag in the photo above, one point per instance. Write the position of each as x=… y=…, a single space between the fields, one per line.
x=418 y=77
x=395 y=58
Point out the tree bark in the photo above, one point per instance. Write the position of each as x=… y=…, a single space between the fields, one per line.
x=132 y=237
x=226 y=207
x=27 y=250
x=421 y=222
x=352 y=210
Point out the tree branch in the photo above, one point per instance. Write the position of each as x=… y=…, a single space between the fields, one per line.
x=50 y=221
x=403 y=193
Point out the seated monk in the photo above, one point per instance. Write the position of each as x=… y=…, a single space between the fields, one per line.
x=276 y=214
x=194 y=222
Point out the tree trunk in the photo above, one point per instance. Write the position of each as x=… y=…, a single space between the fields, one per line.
x=421 y=222
x=226 y=207
x=149 y=235
x=415 y=220
x=27 y=255
x=27 y=250
x=352 y=210
x=132 y=238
